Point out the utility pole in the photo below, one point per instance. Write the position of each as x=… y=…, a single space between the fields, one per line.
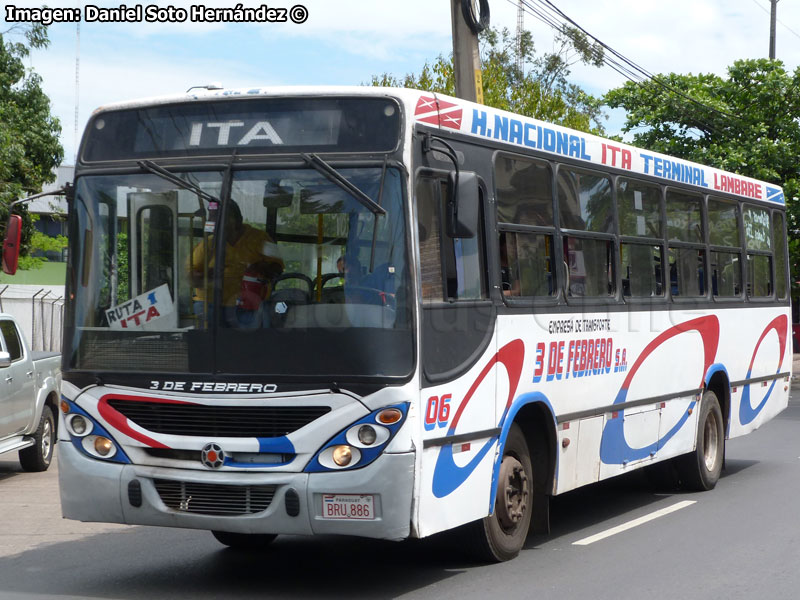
x=77 y=87
x=466 y=58
x=773 y=17
x=520 y=29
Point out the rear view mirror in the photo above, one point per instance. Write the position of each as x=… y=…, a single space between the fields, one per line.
x=463 y=199
x=11 y=244
x=277 y=196
x=5 y=360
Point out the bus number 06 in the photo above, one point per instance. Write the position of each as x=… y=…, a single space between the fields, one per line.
x=437 y=411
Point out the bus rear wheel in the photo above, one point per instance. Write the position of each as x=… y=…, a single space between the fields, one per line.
x=501 y=535
x=700 y=470
x=244 y=541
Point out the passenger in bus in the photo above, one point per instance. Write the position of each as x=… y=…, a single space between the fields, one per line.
x=349 y=267
x=252 y=261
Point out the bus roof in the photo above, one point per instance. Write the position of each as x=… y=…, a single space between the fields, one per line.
x=491 y=124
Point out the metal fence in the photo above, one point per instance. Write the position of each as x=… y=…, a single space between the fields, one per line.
x=39 y=310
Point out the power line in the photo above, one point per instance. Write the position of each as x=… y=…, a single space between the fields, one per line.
x=557 y=19
x=767 y=10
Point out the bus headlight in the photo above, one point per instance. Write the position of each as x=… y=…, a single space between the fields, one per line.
x=98 y=446
x=78 y=425
x=361 y=443
x=103 y=445
x=342 y=455
x=88 y=436
x=367 y=435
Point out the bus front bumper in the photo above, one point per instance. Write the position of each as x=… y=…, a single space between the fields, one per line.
x=93 y=490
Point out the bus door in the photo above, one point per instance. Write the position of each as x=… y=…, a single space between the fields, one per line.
x=457 y=377
x=153 y=238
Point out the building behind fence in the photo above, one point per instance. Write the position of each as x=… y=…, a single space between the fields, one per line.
x=39 y=310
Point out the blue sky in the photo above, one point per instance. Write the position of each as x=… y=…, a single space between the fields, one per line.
x=345 y=42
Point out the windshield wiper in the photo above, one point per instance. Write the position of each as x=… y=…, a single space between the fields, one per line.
x=334 y=176
x=149 y=165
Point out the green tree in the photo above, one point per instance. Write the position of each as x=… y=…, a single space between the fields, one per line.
x=29 y=146
x=540 y=89
x=747 y=123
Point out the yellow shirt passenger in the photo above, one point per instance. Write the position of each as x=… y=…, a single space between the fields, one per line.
x=247 y=249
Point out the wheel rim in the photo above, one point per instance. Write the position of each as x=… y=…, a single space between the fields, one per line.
x=47 y=438
x=514 y=494
x=710 y=441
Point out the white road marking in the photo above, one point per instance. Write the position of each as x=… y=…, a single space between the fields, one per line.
x=635 y=523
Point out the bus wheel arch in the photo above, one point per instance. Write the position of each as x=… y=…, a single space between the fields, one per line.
x=501 y=535
x=528 y=453
x=538 y=426
x=719 y=383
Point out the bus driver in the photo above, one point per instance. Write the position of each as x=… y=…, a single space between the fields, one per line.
x=251 y=262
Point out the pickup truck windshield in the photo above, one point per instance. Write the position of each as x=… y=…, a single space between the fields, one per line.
x=313 y=281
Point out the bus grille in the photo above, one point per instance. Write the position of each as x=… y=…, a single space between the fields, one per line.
x=161 y=354
x=214 y=499
x=218 y=421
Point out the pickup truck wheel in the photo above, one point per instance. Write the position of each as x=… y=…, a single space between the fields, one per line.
x=37 y=457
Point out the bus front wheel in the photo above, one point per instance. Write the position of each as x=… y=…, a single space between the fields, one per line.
x=501 y=535
x=700 y=470
x=244 y=541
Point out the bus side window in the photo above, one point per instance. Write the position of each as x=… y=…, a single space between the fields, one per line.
x=524 y=192
x=687 y=257
x=430 y=233
x=452 y=269
x=642 y=270
x=641 y=228
x=526 y=264
x=779 y=246
x=725 y=248
x=585 y=207
x=758 y=237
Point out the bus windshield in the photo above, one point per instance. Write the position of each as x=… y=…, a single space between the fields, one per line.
x=314 y=278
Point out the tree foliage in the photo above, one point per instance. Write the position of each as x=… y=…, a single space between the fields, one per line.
x=29 y=145
x=747 y=123
x=539 y=89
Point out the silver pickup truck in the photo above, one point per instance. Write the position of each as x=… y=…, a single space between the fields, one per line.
x=30 y=384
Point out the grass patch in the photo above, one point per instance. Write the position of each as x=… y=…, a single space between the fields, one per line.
x=51 y=273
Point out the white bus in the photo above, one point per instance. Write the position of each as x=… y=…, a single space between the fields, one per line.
x=431 y=314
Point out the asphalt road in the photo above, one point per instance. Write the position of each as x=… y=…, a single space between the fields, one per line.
x=740 y=540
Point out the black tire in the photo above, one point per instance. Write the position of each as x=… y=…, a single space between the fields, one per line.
x=501 y=535
x=37 y=458
x=700 y=470
x=244 y=541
